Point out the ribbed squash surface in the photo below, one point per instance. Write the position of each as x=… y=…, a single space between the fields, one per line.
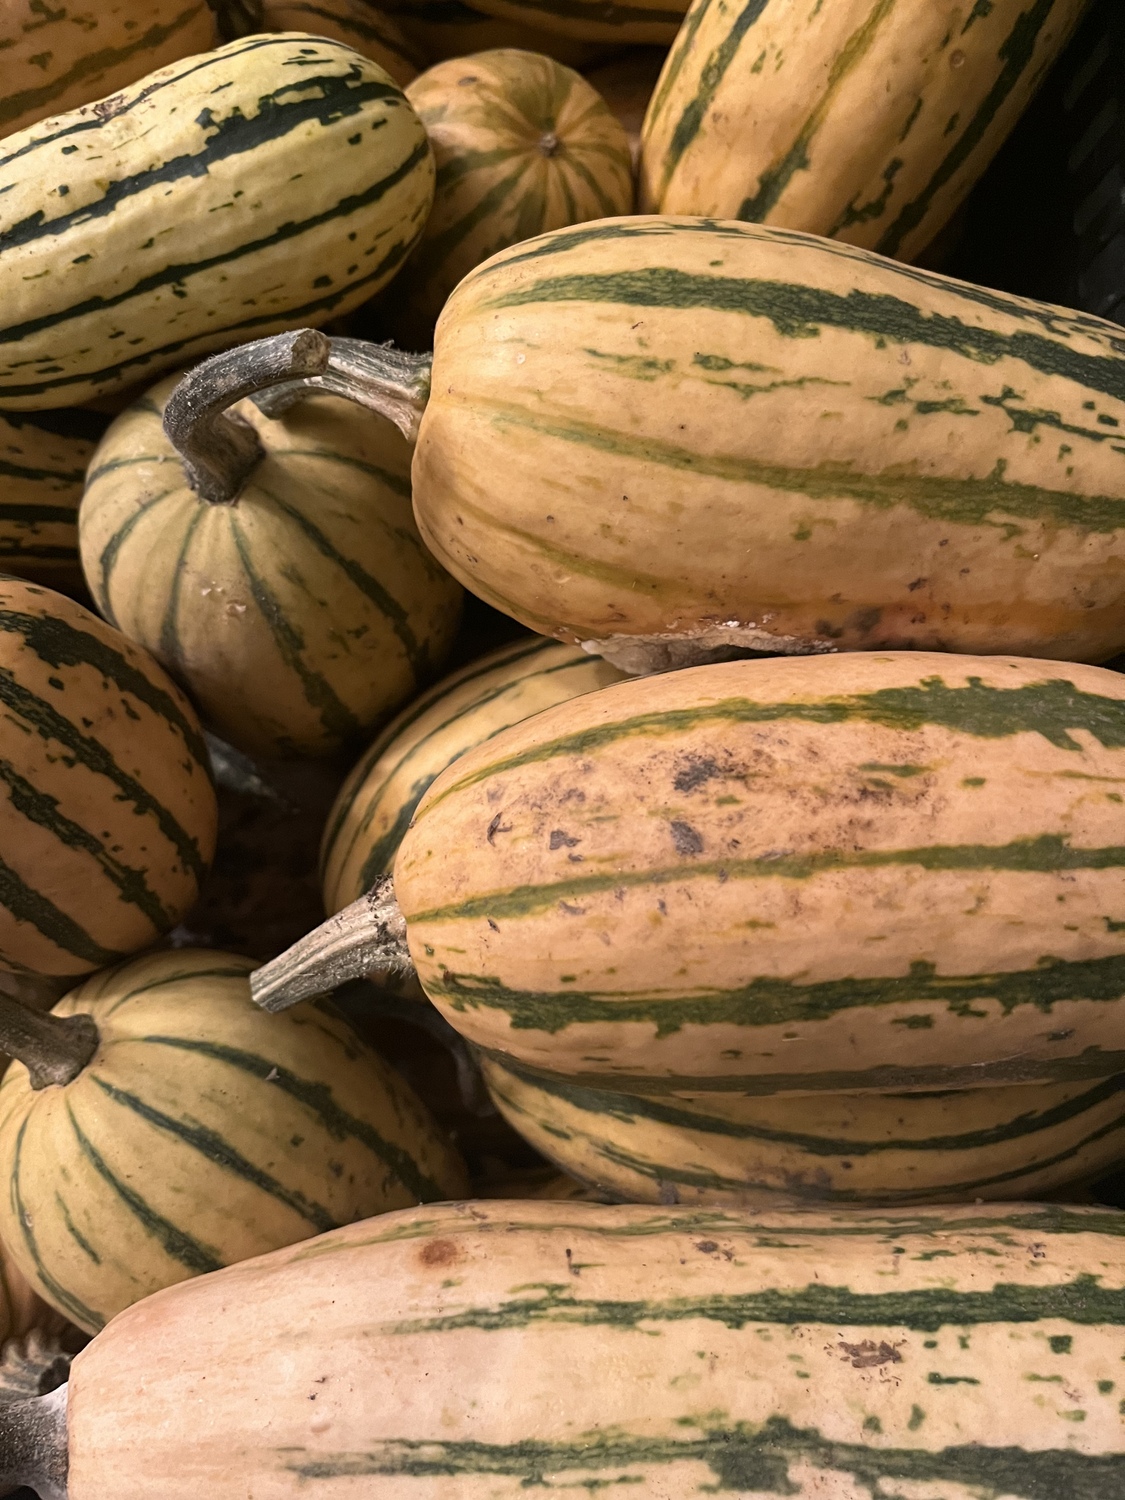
x=350 y=21
x=202 y=1132
x=216 y=200
x=522 y=144
x=107 y=818
x=60 y=55
x=379 y=798
x=662 y=435
x=869 y=120
x=43 y=458
x=1018 y=1141
x=299 y=615
x=852 y=873
x=959 y=1353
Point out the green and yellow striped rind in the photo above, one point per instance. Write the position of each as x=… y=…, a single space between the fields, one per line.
x=108 y=815
x=719 y=434
x=57 y=57
x=611 y=21
x=448 y=28
x=353 y=22
x=969 y=1352
x=202 y=1132
x=867 y=120
x=43 y=458
x=300 y=616
x=862 y=873
x=1021 y=1141
x=376 y=803
x=212 y=201
x=522 y=145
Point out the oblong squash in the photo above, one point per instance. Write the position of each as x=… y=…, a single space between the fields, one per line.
x=59 y=56
x=209 y=201
x=379 y=797
x=616 y=21
x=448 y=28
x=108 y=814
x=857 y=873
x=660 y=436
x=812 y=1356
x=43 y=458
x=201 y=1132
x=301 y=613
x=522 y=144
x=868 y=120
x=1018 y=1141
x=353 y=22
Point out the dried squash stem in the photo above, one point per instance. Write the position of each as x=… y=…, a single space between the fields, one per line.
x=378 y=376
x=54 y=1049
x=33 y=1447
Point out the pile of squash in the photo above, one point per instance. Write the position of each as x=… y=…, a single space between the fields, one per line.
x=562 y=765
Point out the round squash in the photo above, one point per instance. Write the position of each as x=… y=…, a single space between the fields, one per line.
x=61 y=55
x=626 y=84
x=522 y=144
x=661 y=438
x=107 y=823
x=1021 y=1141
x=448 y=28
x=301 y=609
x=378 y=800
x=199 y=1132
x=867 y=122
x=359 y=26
x=43 y=458
x=205 y=203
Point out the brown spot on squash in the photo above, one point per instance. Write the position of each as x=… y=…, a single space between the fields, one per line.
x=437 y=1254
x=868 y=1354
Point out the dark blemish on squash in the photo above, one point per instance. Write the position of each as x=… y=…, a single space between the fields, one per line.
x=686 y=839
x=867 y=1355
x=572 y=911
x=496 y=827
x=493 y=925
x=439 y=1253
x=694 y=771
x=560 y=839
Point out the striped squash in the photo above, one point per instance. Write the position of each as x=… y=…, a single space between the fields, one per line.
x=43 y=458
x=522 y=144
x=626 y=84
x=867 y=120
x=491 y=1349
x=1020 y=1141
x=854 y=873
x=616 y=21
x=659 y=436
x=201 y=1132
x=107 y=820
x=300 y=615
x=448 y=28
x=64 y=54
x=358 y=25
x=211 y=201
x=378 y=800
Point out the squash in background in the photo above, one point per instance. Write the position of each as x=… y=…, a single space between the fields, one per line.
x=448 y=28
x=376 y=803
x=358 y=25
x=204 y=203
x=619 y=22
x=161 y=1126
x=60 y=55
x=107 y=813
x=626 y=84
x=299 y=607
x=866 y=120
x=522 y=144
x=43 y=458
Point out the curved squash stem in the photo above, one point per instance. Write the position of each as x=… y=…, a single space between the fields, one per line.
x=33 y=1448
x=54 y=1049
x=367 y=937
x=220 y=451
x=378 y=376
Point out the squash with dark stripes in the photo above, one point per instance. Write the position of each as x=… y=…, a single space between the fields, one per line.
x=868 y=120
x=484 y=1351
x=448 y=28
x=1020 y=1141
x=369 y=31
x=378 y=800
x=522 y=144
x=211 y=201
x=60 y=55
x=661 y=437
x=302 y=610
x=199 y=1132
x=108 y=815
x=43 y=458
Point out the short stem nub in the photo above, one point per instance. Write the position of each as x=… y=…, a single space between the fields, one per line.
x=220 y=451
x=33 y=1445
x=54 y=1049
